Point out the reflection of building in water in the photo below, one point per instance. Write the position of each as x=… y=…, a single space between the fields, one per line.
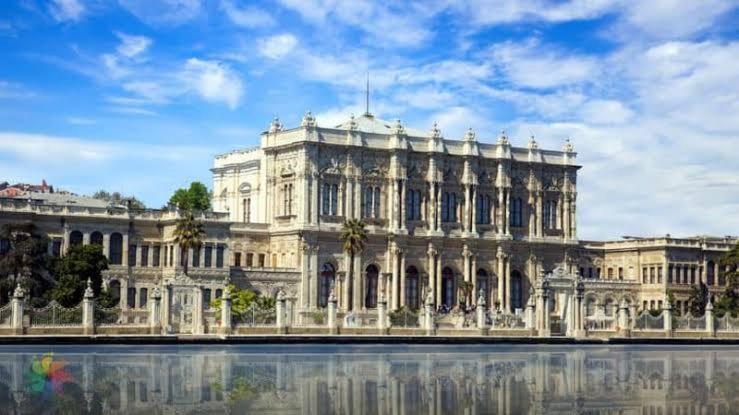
x=533 y=381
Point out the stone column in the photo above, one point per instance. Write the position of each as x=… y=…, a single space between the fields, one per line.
x=530 y=317
x=506 y=214
x=88 y=310
x=124 y=260
x=709 y=318
x=438 y=279
x=431 y=270
x=429 y=316
x=106 y=245
x=481 y=323
x=539 y=215
x=437 y=188
x=623 y=320
x=305 y=292
x=467 y=206
x=579 y=312
x=17 y=304
x=65 y=239
x=403 y=204
x=226 y=327
x=331 y=318
x=197 y=311
x=280 y=310
x=401 y=294
x=86 y=238
x=474 y=278
x=314 y=202
x=155 y=311
x=358 y=284
x=474 y=210
x=313 y=278
x=382 y=315
x=395 y=276
x=532 y=214
x=566 y=216
x=667 y=314
x=500 y=212
x=507 y=273
x=546 y=326
x=500 y=262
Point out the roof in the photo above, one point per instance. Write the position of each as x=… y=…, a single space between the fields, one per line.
x=62 y=199
x=368 y=123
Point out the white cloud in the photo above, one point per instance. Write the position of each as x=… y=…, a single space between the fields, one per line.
x=671 y=19
x=66 y=10
x=156 y=12
x=277 y=46
x=132 y=45
x=493 y=12
x=603 y=111
x=213 y=81
x=250 y=16
x=81 y=121
x=12 y=90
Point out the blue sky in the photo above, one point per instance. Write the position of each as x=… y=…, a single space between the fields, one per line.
x=138 y=95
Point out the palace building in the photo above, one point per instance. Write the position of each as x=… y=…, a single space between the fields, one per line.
x=441 y=214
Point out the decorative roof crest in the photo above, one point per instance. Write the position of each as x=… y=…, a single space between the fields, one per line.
x=398 y=128
x=568 y=147
x=308 y=120
x=352 y=123
x=533 y=145
x=469 y=135
x=503 y=138
x=435 y=131
x=275 y=126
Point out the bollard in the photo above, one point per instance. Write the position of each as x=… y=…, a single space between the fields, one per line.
x=382 y=315
x=332 y=328
x=155 y=311
x=17 y=309
x=88 y=310
x=226 y=327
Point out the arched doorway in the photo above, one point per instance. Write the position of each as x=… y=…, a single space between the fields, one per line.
x=370 y=293
x=447 y=287
x=326 y=281
x=411 y=288
x=75 y=238
x=516 y=290
x=482 y=285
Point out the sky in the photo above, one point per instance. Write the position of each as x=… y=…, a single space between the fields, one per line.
x=137 y=96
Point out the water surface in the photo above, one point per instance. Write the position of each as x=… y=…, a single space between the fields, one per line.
x=373 y=380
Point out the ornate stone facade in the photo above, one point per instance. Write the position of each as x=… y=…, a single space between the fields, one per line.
x=441 y=215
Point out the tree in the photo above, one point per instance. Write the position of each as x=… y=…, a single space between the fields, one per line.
x=465 y=287
x=118 y=199
x=194 y=199
x=353 y=236
x=241 y=300
x=23 y=258
x=728 y=302
x=698 y=300
x=82 y=262
x=188 y=233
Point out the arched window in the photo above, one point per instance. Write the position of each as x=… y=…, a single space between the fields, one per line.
x=376 y=203
x=96 y=238
x=370 y=293
x=326 y=200
x=246 y=209
x=411 y=287
x=482 y=215
x=609 y=308
x=334 y=199
x=328 y=277
x=447 y=287
x=516 y=218
x=371 y=202
x=449 y=207
x=482 y=285
x=516 y=290
x=116 y=249
x=550 y=214
x=115 y=290
x=590 y=307
x=75 y=238
x=710 y=272
x=413 y=205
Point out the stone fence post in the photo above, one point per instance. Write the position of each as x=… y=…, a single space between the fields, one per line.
x=382 y=314
x=481 y=323
x=709 y=318
x=155 y=311
x=88 y=310
x=332 y=328
x=17 y=309
x=624 y=330
x=530 y=313
x=226 y=311
x=280 y=308
x=667 y=315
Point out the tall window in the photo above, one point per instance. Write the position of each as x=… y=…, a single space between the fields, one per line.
x=710 y=275
x=371 y=202
x=516 y=218
x=330 y=199
x=447 y=287
x=156 y=254
x=411 y=288
x=246 y=208
x=328 y=276
x=370 y=297
x=482 y=215
x=96 y=238
x=75 y=238
x=413 y=205
x=219 y=256
x=448 y=207
x=208 y=256
x=196 y=258
x=516 y=290
x=482 y=285
x=116 y=249
x=131 y=255
x=550 y=214
x=287 y=199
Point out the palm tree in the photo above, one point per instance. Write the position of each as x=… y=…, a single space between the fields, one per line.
x=354 y=237
x=189 y=233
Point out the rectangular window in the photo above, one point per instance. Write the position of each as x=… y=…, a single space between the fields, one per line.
x=651 y=275
x=670 y=271
x=237 y=259
x=166 y=254
x=208 y=256
x=261 y=260
x=196 y=257
x=644 y=275
x=56 y=248
x=156 y=255
x=171 y=255
x=143 y=297
x=131 y=300
x=249 y=259
x=620 y=273
x=206 y=298
x=131 y=255
x=145 y=255
x=219 y=256
x=659 y=275
x=590 y=272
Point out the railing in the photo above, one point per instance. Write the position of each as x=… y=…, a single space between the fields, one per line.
x=404 y=318
x=108 y=316
x=689 y=322
x=727 y=323
x=135 y=316
x=505 y=321
x=646 y=321
x=6 y=314
x=604 y=323
x=55 y=315
x=255 y=316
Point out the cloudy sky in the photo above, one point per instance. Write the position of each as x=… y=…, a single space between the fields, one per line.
x=138 y=95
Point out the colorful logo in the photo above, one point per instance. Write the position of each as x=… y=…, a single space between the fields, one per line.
x=47 y=376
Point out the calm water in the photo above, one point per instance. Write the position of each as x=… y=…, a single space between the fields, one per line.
x=371 y=380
